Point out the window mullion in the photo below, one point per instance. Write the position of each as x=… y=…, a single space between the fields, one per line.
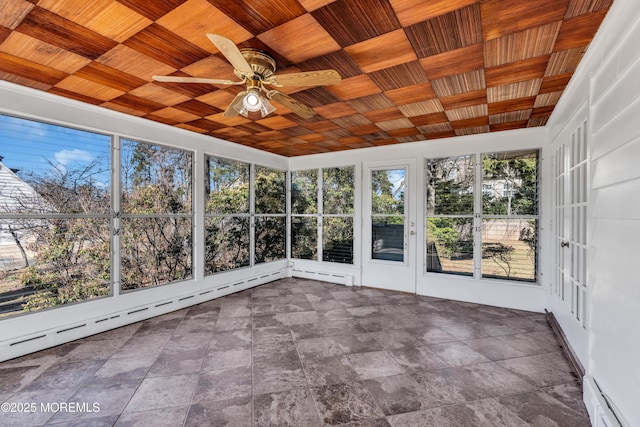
x=116 y=225
x=477 y=217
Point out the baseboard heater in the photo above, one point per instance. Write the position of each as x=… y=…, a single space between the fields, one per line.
x=65 y=333
x=323 y=276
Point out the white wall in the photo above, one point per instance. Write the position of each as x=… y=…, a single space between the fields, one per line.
x=606 y=93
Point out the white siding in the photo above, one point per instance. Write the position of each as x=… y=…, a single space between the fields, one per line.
x=608 y=85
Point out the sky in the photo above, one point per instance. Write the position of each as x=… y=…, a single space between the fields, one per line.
x=35 y=147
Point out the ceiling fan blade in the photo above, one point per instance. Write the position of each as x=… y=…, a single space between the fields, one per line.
x=295 y=106
x=231 y=110
x=310 y=78
x=232 y=53
x=176 y=79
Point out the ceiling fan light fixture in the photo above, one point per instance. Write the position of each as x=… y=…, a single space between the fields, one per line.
x=254 y=103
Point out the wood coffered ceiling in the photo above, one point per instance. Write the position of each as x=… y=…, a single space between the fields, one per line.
x=411 y=69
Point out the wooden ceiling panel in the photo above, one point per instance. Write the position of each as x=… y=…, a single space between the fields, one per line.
x=402 y=75
x=579 y=31
x=526 y=44
x=332 y=111
x=513 y=91
x=371 y=102
x=163 y=45
x=527 y=69
x=411 y=12
x=384 y=51
x=502 y=17
x=258 y=16
x=456 y=61
x=42 y=53
x=339 y=61
x=355 y=87
x=421 y=108
x=317 y=41
x=460 y=28
x=555 y=83
x=466 y=113
x=564 y=61
x=88 y=88
x=56 y=30
x=105 y=75
x=410 y=94
x=411 y=70
x=13 y=13
x=511 y=105
x=395 y=124
x=580 y=7
x=459 y=83
x=159 y=94
x=465 y=99
x=135 y=63
x=4 y=34
x=30 y=70
x=195 y=18
x=152 y=9
x=355 y=21
x=106 y=17
x=385 y=114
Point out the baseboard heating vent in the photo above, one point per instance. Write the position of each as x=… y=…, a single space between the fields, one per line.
x=323 y=276
x=27 y=340
x=61 y=331
x=164 y=303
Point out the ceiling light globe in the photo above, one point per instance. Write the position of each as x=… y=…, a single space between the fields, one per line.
x=252 y=101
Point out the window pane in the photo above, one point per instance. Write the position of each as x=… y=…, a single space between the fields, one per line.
x=53 y=262
x=227 y=243
x=509 y=249
x=388 y=238
x=227 y=186
x=509 y=183
x=337 y=240
x=50 y=169
x=450 y=245
x=155 y=251
x=337 y=190
x=387 y=191
x=46 y=168
x=450 y=186
x=155 y=179
x=304 y=238
x=270 y=190
x=271 y=233
x=304 y=192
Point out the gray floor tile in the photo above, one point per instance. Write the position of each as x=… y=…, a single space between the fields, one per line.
x=302 y=352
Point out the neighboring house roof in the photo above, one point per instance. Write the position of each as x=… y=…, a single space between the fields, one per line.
x=16 y=196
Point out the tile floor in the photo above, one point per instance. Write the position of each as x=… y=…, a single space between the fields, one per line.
x=304 y=353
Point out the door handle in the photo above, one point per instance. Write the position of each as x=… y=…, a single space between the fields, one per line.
x=564 y=244
x=412 y=233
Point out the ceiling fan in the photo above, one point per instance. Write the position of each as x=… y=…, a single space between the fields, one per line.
x=256 y=70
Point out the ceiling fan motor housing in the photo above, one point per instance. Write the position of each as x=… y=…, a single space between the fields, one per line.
x=261 y=63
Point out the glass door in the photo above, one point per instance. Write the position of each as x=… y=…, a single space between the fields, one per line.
x=389 y=244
